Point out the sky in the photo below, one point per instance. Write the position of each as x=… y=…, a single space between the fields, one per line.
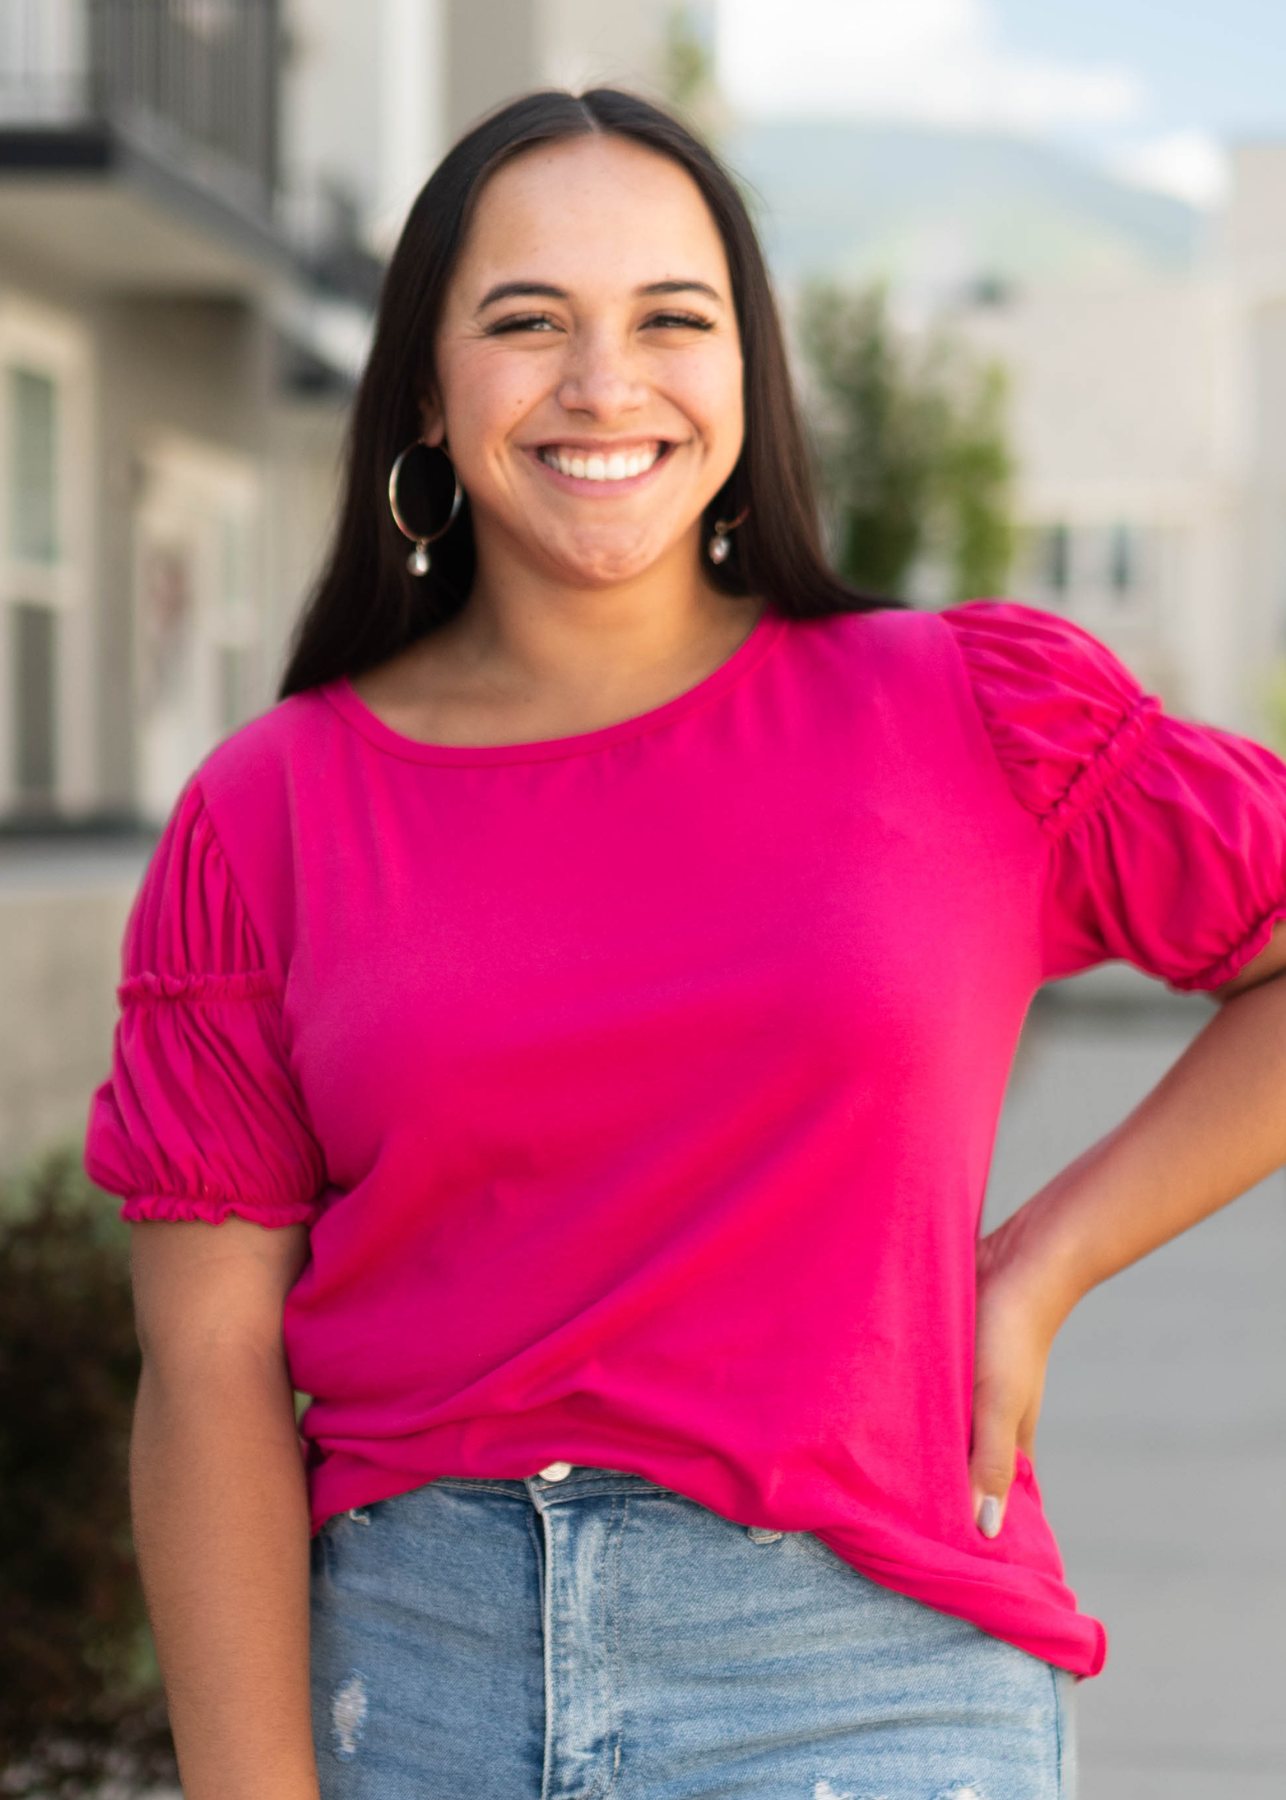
x=1153 y=89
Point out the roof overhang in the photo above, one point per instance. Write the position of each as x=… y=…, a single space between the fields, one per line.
x=88 y=205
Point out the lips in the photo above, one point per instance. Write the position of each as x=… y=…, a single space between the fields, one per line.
x=605 y=465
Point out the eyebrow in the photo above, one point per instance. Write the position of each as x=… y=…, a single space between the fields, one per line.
x=544 y=290
x=527 y=290
x=682 y=287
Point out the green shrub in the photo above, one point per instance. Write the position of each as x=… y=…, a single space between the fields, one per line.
x=913 y=460
x=79 y=1692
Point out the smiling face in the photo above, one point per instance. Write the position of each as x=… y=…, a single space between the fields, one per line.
x=588 y=366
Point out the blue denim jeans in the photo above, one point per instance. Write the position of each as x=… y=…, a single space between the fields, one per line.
x=600 y=1635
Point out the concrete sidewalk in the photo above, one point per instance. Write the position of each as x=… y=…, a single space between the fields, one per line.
x=1162 y=1450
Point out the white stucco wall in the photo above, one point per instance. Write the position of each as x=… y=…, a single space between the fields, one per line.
x=1142 y=405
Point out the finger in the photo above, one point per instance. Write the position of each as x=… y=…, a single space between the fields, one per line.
x=991 y=1465
x=1027 y=1433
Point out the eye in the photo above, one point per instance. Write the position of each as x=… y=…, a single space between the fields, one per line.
x=680 y=321
x=522 y=322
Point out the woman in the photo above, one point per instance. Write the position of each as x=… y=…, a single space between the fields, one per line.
x=583 y=1006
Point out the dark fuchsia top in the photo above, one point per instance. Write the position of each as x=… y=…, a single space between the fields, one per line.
x=639 y=1088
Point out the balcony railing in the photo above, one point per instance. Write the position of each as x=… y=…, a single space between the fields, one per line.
x=194 y=82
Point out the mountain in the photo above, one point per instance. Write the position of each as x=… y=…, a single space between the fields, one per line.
x=936 y=211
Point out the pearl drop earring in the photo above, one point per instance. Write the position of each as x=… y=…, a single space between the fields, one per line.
x=720 y=546
x=419 y=562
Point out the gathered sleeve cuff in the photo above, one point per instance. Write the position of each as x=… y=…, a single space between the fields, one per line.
x=1167 y=838
x=201 y=1116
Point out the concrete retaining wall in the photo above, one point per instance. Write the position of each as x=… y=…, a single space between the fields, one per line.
x=62 y=912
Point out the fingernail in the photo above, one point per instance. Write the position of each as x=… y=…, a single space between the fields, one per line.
x=989 y=1516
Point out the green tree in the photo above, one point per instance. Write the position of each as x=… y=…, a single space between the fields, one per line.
x=912 y=455
x=877 y=434
x=688 y=68
x=975 y=483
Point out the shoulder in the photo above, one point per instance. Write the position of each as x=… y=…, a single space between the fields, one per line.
x=1058 y=709
x=246 y=768
x=252 y=782
x=1038 y=656
x=892 y=644
x=894 y=628
x=217 y=891
x=1008 y=664
x=1062 y=710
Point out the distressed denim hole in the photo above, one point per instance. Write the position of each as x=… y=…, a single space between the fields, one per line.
x=764 y=1534
x=348 y=1715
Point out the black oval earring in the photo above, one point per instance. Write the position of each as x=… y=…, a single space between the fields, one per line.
x=419 y=562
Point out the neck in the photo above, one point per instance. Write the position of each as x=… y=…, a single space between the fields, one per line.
x=531 y=657
x=552 y=631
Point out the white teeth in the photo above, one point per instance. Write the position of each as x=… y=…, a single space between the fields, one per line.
x=616 y=467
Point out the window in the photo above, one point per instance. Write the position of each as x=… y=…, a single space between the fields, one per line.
x=1057 y=559
x=48 y=676
x=1104 y=572
x=31 y=408
x=1122 y=561
x=33 y=467
x=35 y=705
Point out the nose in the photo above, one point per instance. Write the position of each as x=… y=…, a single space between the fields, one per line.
x=602 y=379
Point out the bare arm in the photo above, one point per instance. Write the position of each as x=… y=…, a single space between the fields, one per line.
x=220 y=1510
x=1213 y=1127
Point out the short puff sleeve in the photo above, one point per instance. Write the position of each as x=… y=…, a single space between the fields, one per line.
x=201 y=1116
x=1168 y=839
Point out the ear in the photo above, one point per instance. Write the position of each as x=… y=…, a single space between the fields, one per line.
x=434 y=425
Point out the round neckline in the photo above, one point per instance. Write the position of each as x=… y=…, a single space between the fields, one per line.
x=344 y=698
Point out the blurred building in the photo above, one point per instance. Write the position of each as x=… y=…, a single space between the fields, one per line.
x=501 y=47
x=194 y=195
x=174 y=362
x=172 y=375
x=1148 y=424
x=195 y=198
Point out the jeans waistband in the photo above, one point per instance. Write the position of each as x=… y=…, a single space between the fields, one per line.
x=540 y=1490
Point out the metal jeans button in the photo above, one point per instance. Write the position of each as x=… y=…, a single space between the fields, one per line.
x=558 y=1471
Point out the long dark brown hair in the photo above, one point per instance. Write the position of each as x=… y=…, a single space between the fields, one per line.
x=367 y=605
